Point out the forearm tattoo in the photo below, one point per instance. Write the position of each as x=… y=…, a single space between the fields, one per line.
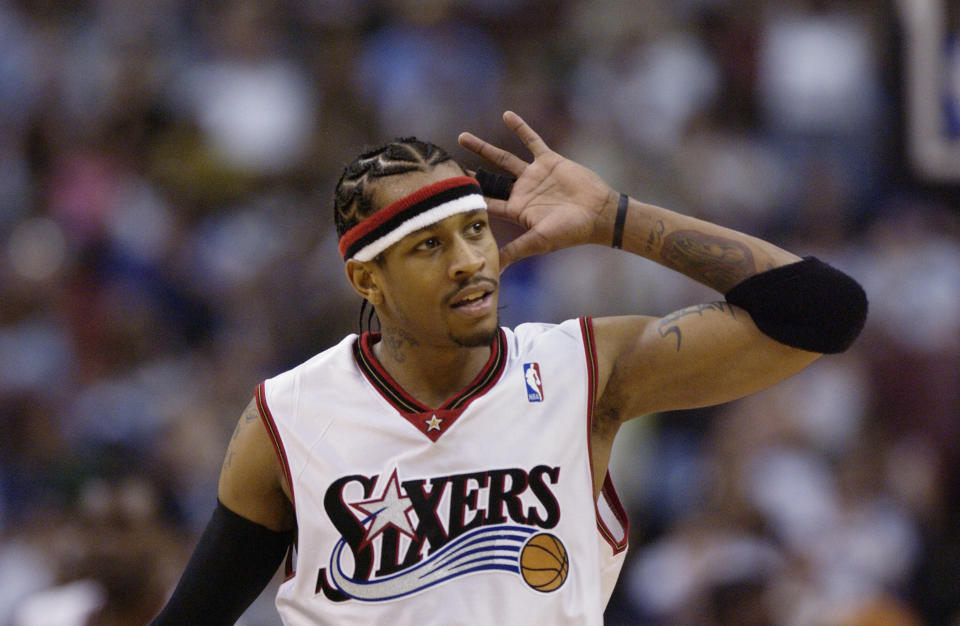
x=717 y=262
x=668 y=325
x=656 y=236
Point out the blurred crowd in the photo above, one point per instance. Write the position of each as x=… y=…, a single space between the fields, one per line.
x=166 y=242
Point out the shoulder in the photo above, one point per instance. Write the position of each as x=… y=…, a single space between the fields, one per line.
x=532 y=332
x=568 y=341
x=332 y=369
x=251 y=480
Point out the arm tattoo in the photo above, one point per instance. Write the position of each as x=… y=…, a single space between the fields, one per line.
x=717 y=262
x=250 y=414
x=668 y=324
x=245 y=419
x=664 y=331
x=656 y=235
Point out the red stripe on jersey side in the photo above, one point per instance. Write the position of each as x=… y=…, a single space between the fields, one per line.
x=607 y=491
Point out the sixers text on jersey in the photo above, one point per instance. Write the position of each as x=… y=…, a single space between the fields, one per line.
x=406 y=536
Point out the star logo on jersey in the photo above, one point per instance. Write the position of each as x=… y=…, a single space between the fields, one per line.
x=433 y=423
x=390 y=509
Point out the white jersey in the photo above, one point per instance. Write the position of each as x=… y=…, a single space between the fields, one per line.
x=478 y=512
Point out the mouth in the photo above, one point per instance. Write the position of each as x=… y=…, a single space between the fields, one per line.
x=475 y=299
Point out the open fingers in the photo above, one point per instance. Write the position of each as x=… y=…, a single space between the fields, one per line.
x=527 y=135
x=497 y=156
x=525 y=245
x=498 y=208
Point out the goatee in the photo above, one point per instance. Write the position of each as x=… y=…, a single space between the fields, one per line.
x=481 y=337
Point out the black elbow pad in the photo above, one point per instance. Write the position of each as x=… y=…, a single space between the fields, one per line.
x=808 y=305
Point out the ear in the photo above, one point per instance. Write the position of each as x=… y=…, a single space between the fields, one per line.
x=365 y=280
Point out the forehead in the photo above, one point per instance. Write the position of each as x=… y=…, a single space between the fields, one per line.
x=392 y=188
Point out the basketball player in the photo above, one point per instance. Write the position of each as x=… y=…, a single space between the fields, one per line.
x=449 y=471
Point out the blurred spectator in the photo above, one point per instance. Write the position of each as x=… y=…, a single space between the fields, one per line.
x=817 y=68
x=255 y=106
x=425 y=70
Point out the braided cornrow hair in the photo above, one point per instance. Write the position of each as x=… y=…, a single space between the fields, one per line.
x=352 y=197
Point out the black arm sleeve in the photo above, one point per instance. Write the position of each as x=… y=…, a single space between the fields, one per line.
x=808 y=305
x=232 y=563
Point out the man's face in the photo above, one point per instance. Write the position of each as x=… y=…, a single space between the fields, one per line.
x=440 y=284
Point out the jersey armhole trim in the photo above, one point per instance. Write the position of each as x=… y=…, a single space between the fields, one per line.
x=267 y=417
x=612 y=518
x=612 y=521
x=270 y=424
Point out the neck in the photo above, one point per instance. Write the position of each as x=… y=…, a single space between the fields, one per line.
x=431 y=374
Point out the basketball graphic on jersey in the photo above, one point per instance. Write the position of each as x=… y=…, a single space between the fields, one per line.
x=543 y=562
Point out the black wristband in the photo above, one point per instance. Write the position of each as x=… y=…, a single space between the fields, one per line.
x=620 y=221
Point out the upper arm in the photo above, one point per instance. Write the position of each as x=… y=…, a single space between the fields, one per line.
x=698 y=356
x=251 y=481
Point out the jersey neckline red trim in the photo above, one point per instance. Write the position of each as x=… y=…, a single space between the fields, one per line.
x=432 y=422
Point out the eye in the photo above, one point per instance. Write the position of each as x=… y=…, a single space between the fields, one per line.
x=428 y=244
x=477 y=227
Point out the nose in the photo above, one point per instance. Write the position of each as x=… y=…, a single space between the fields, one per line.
x=465 y=259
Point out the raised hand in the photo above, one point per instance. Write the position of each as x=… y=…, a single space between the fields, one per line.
x=558 y=202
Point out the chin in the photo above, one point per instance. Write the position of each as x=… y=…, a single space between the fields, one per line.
x=478 y=337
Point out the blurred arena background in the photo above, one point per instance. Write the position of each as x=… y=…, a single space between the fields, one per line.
x=166 y=242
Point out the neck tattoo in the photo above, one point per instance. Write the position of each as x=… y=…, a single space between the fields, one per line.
x=394 y=340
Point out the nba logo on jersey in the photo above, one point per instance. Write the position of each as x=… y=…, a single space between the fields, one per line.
x=531 y=374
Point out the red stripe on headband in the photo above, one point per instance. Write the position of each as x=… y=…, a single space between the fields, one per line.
x=376 y=220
